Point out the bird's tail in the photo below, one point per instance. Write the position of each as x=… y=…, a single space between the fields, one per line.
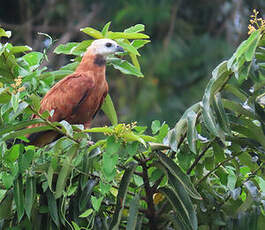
x=43 y=138
x=38 y=139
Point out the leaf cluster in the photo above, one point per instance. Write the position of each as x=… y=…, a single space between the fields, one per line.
x=206 y=172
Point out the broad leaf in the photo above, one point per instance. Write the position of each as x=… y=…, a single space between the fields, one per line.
x=120 y=200
x=109 y=109
x=179 y=174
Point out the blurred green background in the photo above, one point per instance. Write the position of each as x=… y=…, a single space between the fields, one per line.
x=188 y=39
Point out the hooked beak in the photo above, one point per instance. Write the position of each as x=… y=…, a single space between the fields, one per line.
x=119 y=49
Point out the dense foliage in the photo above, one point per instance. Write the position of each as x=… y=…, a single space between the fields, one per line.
x=190 y=38
x=205 y=173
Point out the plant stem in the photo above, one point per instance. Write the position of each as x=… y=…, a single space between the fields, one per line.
x=52 y=125
x=150 y=213
x=216 y=167
x=196 y=161
x=254 y=173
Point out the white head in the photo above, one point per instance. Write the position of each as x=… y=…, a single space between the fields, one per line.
x=105 y=47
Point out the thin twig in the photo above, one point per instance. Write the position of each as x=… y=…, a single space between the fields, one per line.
x=253 y=173
x=196 y=161
x=216 y=167
x=52 y=125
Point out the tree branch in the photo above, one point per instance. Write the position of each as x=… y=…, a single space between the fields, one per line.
x=216 y=167
x=196 y=161
x=150 y=212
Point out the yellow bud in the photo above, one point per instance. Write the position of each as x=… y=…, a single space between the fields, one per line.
x=21 y=89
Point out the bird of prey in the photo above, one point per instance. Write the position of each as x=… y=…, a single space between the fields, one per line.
x=77 y=97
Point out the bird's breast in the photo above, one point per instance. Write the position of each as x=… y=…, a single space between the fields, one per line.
x=87 y=109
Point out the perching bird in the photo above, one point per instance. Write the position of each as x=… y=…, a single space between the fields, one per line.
x=77 y=98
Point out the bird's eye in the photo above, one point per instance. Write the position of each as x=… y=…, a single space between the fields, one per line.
x=108 y=44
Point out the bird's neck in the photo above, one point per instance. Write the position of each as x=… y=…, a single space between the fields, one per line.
x=92 y=62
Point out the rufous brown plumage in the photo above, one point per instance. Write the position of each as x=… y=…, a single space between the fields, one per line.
x=77 y=98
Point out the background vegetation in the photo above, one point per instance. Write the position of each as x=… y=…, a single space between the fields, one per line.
x=204 y=169
x=189 y=38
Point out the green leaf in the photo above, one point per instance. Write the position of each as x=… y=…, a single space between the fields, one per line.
x=218 y=152
x=86 y=194
x=104 y=188
x=130 y=136
x=133 y=213
x=76 y=227
x=30 y=195
x=6 y=205
x=175 y=135
x=15 y=101
x=221 y=116
x=191 y=132
x=163 y=131
x=125 y=67
x=86 y=213
x=19 y=125
x=129 y=48
x=4 y=95
x=96 y=202
x=121 y=197
x=92 y=32
x=50 y=173
x=245 y=45
x=220 y=76
x=137 y=44
x=35 y=101
x=52 y=206
x=131 y=148
x=19 y=197
x=21 y=108
x=33 y=59
x=7 y=180
x=66 y=48
x=80 y=48
x=99 y=130
x=20 y=49
x=178 y=222
x=177 y=205
x=237 y=92
x=179 y=174
x=250 y=52
x=64 y=172
x=117 y=35
x=184 y=199
x=109 y=165
x=14 y=153
x=134 y=29
x=67 y=127
x=25 y=160
x=109 y=109
x=4 y=33
x=155 y=126
x=261 y=183
x=238 y=109
x=58 y=74
x=105 y=29
x=112 y=145
x=23 y=132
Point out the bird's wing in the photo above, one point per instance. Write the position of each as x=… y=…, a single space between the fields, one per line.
x=65 y=97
